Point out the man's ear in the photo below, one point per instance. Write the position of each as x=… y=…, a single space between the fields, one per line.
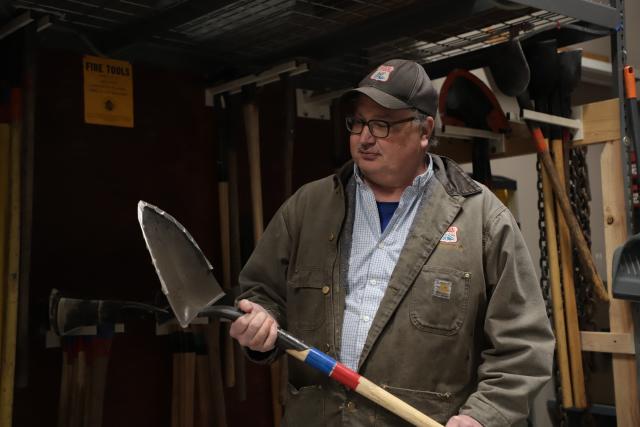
x=427 y=130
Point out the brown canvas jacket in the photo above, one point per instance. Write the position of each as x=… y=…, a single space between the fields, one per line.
x=480 y=346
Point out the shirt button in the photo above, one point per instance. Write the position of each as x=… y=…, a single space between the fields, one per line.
x=372 y=281
x=381 y=246
x=365 y=318
x=325 y=290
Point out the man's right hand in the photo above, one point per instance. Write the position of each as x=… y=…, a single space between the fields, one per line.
x=257 y=329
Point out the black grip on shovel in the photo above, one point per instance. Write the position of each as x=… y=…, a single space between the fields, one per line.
x=286 y=341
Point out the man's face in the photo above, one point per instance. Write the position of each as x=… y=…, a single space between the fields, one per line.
x=396 y=159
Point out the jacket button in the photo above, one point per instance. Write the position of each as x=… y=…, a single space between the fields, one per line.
x=331 y=237
x=351 y=405
x=325 y=290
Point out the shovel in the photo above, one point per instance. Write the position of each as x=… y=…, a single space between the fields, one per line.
x=188 y=282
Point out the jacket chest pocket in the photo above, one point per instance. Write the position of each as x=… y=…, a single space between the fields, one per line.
x=439 y=300
x=306 y=295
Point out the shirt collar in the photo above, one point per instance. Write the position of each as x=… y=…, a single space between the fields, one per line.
x=418 y=182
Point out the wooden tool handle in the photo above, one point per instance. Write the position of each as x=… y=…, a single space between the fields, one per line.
x=188 y=382
x=252 y=129
x=212 y=336
x=363 y=386
x=570 y=305
x=223 y=199
x=65 y=385
x=557 y=306
x=584 y=255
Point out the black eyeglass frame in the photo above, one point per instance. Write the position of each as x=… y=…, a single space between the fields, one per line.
x=384 y=123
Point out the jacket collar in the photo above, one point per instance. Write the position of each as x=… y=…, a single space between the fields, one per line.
x=454 y=180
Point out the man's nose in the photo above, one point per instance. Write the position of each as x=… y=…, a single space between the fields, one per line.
x=366 y=137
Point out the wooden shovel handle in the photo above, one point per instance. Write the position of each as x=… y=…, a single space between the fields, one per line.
x=335 y=370
x=363 y=386
x=559 y=326
x=584 y=255
x=570 y=305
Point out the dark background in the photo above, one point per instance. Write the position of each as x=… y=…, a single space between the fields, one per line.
x=87 y=242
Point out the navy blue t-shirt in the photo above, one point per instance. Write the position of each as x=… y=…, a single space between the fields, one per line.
x=385 y=211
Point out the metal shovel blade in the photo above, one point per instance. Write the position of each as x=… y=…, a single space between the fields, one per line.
x=185 y=273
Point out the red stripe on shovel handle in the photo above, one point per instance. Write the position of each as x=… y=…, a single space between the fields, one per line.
x=345 y=376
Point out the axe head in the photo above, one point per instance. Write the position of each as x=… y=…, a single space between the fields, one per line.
x=69 y=314
x=66 y=315
x=186 y=276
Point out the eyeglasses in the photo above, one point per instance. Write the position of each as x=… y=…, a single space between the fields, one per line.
x=377 y=128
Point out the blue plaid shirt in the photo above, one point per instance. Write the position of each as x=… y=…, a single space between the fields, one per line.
x=373 y=257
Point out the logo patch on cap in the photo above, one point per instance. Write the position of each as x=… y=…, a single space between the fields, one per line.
x=442 y=289
x=382 y=73
x=450 y=236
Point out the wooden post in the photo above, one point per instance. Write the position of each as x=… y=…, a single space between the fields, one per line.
x=620 y=317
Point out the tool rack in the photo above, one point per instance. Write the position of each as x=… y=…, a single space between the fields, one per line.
x=341 y=40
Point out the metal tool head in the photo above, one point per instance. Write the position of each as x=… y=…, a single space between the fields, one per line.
x=509 y=68
x=185 y=273
x=67 y=315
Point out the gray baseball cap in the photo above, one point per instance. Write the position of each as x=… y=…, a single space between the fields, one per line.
x=399 y=83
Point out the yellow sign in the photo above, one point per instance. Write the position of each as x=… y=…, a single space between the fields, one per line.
x=108 y=92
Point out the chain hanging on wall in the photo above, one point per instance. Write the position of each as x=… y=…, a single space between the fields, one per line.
x=580 y=198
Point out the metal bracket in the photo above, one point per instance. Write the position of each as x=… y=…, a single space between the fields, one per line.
x=459 y=132
x=497 y=141
x=550 y=119
x=271 y=75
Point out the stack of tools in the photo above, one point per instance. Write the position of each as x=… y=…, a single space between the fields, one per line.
x=548 y=78
x=86 y=328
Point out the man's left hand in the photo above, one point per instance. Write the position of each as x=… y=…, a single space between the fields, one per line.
x=462 y=421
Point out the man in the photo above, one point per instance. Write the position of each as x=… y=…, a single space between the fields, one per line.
x=405 y=270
